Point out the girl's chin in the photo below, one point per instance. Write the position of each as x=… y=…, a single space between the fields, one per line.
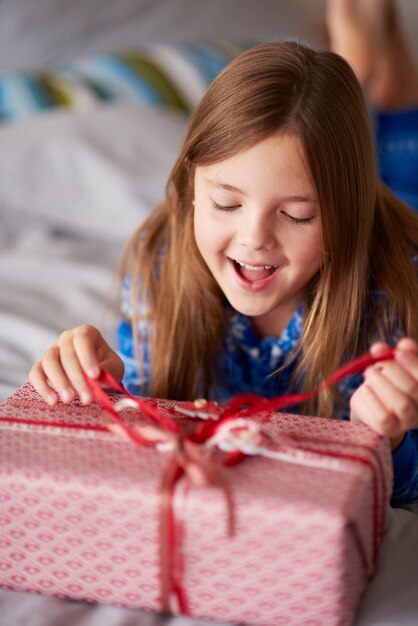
x=248 y=309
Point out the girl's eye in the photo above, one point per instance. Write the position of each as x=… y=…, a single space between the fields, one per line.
x=222 y=207
x=299 y=220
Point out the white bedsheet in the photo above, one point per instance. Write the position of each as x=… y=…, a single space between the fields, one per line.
x=71 y=190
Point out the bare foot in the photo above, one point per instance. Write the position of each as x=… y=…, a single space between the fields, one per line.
x=357 y=29
x=393 y=84
x=368 y=34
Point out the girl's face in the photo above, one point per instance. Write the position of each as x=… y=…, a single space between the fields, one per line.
x=257 y=226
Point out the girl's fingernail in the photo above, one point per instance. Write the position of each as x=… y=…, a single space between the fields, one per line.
x=404 y=357
x=66 y=395
x=51 y=399
x=85 y=397
x=373 y=371
x=93 y=372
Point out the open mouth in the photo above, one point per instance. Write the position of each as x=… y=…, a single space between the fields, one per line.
x=252 y=274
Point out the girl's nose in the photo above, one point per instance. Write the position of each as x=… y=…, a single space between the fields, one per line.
x=257 y=233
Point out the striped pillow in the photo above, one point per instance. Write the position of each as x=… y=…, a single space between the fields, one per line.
x=159 y=75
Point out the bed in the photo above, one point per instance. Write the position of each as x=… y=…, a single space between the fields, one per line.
x=84 y=159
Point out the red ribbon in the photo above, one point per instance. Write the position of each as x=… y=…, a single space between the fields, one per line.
x=259 y=403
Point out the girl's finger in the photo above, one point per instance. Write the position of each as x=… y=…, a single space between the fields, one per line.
x=409 y=362
x=40 y=382
x=402 y=372
x=55 y=373
x=368 y=408
x=90 y=348
x=74 y=372
x=407 y=344
x=378 y=348
x=397 y=391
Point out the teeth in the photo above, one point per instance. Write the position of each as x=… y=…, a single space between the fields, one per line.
x=257 y=268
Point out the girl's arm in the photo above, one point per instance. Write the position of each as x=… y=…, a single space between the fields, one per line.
x=405 y=469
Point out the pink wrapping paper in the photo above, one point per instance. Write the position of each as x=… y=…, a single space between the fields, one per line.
x=79 y=513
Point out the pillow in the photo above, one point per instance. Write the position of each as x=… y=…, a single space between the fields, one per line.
x=94 y=174
x=159 y=75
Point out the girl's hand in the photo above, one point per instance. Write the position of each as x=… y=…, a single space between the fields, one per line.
x=61 y=371
x=387 y=401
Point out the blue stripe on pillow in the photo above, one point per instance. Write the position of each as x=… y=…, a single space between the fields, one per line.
x=119 y=79
x=208 y=60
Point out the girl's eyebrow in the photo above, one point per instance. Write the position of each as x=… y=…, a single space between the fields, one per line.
x=213 y=183
x=218 y=183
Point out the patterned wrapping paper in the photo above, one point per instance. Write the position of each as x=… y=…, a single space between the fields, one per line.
x=79 y=513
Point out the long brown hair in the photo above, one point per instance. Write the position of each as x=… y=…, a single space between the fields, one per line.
x=368 y=235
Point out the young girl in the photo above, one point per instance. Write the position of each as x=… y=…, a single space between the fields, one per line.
x=276 y=257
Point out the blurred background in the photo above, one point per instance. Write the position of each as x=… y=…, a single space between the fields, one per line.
x=39 y=33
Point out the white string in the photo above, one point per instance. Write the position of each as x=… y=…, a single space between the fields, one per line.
x=246 y=435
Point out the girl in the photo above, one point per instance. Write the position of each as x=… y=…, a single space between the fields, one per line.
x=276 y=257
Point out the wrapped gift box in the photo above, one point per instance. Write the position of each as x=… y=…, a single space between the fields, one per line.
x=79 y=511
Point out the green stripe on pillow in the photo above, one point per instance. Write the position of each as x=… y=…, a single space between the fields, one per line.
x=159 y=81
x=53 y=89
